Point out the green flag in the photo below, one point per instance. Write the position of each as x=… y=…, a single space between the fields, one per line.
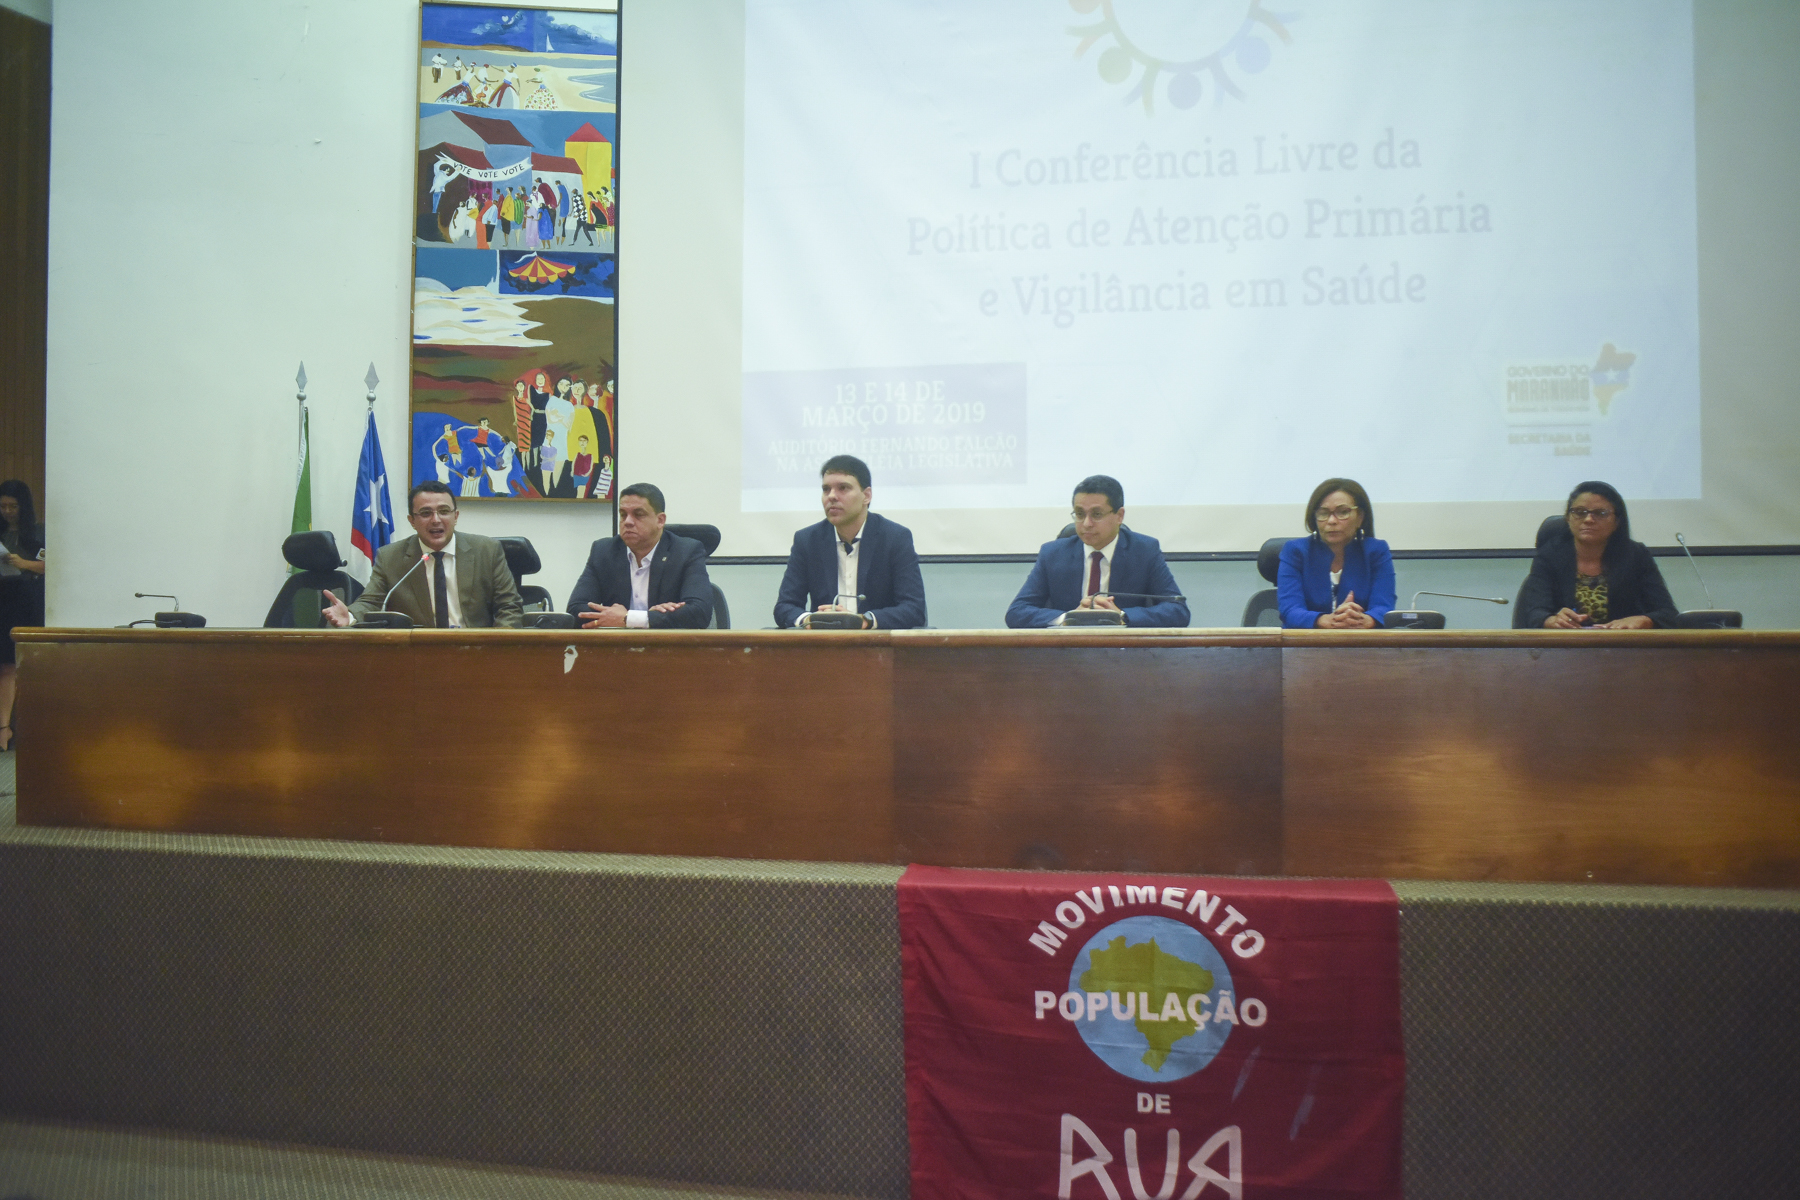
x=303 y=491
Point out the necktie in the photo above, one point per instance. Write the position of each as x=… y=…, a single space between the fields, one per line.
x=1094 y=573
x=440 y=594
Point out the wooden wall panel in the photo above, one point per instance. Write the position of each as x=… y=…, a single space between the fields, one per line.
x=1108 y=753
x=1654 y=757
x=1645 y=762
x=643 y=746
x=24 y=245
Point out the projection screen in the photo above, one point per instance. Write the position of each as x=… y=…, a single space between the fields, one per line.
x=1468 y=253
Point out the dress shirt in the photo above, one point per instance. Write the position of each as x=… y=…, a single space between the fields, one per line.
x=637 y=616
x=846 y=572
x=1087 y=567
x=847 y=560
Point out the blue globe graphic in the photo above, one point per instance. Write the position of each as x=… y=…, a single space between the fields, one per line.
x=1121 y=1045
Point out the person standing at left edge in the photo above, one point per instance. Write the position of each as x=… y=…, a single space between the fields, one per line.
x=1103 y=558
x=438 y=577
x=852 y=553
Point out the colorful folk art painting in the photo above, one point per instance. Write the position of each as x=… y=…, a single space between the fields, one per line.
x=514 y=261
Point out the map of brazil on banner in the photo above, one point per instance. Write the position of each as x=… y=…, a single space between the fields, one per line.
x=1160 y=1038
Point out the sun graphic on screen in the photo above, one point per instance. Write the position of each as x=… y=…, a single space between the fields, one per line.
x=1183 y=48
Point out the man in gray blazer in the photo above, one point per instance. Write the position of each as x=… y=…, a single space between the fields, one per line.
x=646 y=578
x=438 y=577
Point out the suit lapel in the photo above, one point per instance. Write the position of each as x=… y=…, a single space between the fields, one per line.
x=864 y=583
x=659 y=561
x=621 y=569
x=414 y=595
x=470 y=567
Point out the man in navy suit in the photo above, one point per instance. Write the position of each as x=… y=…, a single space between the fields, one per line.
x=644 y=578
x=852 y=553
x=1102 y=559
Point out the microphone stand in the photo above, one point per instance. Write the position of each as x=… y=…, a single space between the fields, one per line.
x=389 y=619
x=1417 y=618
x=1087 y=617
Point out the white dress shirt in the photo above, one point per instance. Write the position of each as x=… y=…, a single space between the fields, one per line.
x=637 y=613
x=846 y=572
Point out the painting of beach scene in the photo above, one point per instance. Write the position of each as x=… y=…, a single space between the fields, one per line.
x=514 y=253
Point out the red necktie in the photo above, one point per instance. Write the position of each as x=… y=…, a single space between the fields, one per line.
x=1094 y=573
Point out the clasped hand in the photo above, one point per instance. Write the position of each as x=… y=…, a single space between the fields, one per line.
x=838 y=608
x=612 y=616
x=1348 y=615
x=1101 y=602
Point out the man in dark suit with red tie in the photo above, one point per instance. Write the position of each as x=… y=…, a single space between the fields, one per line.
x=854 y=560
x=1103 y=558
x=646 y=578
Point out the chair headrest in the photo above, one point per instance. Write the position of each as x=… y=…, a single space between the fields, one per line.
x=1548 y=526
x=312 y=550
x=706 y=535
x=1268 y=559
x=1067 y=531
x=521 y=556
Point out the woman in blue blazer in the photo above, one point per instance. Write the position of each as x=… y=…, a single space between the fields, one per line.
x=1340 y=576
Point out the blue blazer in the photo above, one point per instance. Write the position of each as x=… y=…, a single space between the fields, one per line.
x=887 y=574
x=1058 y=581
x=1303 y=586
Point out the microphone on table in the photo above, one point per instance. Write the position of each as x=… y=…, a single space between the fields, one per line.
x=1418 y=618
x=384 y=617
x=836 y=620
x=1077 y=617
x=1696 y=566
x=1709 y=617
x=170 y=620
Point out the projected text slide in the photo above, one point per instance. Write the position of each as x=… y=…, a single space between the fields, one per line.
x=1224 y=250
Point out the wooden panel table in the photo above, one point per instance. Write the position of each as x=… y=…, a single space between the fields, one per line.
x=1654 y=757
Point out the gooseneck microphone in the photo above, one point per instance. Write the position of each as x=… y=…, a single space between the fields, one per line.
x=385 y=617
x=1696 y=566
x=1459 y=596
x=1160 y=599
x=837 y=620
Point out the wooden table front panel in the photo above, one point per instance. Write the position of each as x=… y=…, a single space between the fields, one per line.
x=1652 y=761
x=642 y=745
x=1053 y=750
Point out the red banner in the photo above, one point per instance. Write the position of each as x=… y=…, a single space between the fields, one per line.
x=1159 y=1038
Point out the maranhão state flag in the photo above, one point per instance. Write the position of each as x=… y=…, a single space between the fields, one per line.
x=371 y=513
x=1100 y=1036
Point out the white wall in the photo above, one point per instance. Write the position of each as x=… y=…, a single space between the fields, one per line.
x=230 y=193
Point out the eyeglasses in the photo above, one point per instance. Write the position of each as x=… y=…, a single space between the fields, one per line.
x=1599 y=514
x=1334 y=514
x=425 y=514
x=1098 y=514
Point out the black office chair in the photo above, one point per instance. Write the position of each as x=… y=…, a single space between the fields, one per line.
x=1261 y=609
x=708 y=537
x=298 y=605
x=1693 y=618
x=522 y=560
x=1067 y=531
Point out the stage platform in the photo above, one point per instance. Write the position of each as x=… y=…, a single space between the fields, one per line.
x=737 y=1024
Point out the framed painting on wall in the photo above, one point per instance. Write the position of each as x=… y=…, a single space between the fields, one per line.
x=515 y=329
